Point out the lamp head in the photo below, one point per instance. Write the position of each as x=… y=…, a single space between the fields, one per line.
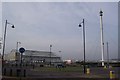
x=50 y=45
x=59 y=51
x=13 y=26
x=18 y=42
x=101 y=13
x=80 y=25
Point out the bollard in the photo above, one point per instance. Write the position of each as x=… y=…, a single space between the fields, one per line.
x=16 y=65
x=10 y=72
x=26 y=64
x=105 y=67
x=18 y=71
x=24 y=73
x=4 y=71
x=88 y=70
x=112 y=75
x=33 y=66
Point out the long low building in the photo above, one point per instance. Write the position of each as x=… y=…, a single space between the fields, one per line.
x=32 y=56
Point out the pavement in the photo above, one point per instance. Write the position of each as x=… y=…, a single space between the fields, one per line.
x=95 y=74
x=54 y=77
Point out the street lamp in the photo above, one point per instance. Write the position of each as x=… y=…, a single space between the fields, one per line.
x=3 y=72
x=5 y=37
x=102 y=38
x=50 y=54
x=17 y=46
x=17 y=51
x=83 y=42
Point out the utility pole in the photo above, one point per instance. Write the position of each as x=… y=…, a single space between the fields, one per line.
x=102 y=40
x=107 y=55
x=50 y=54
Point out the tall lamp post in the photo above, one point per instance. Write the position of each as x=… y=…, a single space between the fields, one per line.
x=102 y=40
x=107 y=55
x=50 y=54
x=0 y=47
x=5 y=37
x=4 y=70
x=83 y=42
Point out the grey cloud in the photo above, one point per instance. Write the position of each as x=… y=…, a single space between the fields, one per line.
x=40 y=24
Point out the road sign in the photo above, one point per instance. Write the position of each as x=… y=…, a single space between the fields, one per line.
x=21 y=50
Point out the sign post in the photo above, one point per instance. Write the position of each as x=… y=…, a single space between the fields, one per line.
x=21 y=50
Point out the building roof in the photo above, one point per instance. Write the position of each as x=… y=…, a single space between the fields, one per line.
x=38 y=53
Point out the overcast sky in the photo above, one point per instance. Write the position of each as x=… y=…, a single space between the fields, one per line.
x=39 y=24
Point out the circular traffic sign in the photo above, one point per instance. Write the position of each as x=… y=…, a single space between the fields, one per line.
x=21 y=50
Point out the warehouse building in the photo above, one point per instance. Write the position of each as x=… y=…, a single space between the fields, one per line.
x=33 y=57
